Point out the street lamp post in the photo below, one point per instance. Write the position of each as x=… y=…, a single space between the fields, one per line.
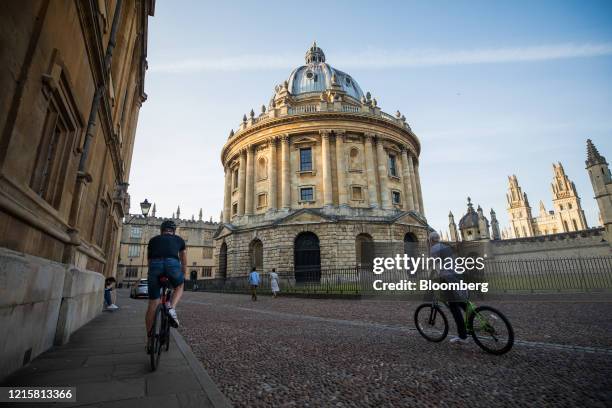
x=145 y=206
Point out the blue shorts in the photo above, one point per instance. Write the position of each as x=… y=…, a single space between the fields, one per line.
x=170 y=267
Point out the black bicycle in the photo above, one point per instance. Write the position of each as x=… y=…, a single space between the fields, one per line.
x=160 y=331
x=488 y=326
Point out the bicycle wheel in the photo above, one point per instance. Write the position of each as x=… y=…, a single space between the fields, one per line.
x=156 y=338
x=491 y=330
x=431 y=322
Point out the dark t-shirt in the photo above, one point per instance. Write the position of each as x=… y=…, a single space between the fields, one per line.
x=165 y=246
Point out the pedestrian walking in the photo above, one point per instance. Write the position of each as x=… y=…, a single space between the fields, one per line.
x=274 y=282
x=254 y=282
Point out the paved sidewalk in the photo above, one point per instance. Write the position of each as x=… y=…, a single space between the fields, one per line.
x=105 y=360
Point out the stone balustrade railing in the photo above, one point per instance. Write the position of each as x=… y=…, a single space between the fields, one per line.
x=302 y=109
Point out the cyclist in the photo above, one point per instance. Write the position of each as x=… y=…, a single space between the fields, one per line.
x=166 y=253
x=456 y=298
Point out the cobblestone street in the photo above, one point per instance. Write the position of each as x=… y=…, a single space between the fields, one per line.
x=323 y=352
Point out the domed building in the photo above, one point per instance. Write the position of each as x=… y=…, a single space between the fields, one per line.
x=473 y=226
x=321 y=169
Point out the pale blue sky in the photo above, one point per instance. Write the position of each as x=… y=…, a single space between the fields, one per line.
x=491 y=89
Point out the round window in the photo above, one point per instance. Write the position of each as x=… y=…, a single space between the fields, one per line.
x=309 y=75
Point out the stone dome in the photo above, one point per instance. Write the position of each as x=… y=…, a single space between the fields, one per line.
x=317 y=76
x=470 y=219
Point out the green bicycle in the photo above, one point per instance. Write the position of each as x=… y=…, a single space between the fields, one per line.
x=489 y=328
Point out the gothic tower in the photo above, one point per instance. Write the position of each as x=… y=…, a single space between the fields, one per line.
x=519 y=210
x=566 y=201
x=494 y=226
x=599 y=174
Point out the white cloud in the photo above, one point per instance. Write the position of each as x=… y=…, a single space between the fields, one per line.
x=393 y=59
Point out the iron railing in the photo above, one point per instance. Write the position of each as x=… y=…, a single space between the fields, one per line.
x=568 y=275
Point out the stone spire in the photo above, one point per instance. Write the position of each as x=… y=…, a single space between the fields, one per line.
x=494 y=226
x=200 y=215
x=483 y=224
x=593 y=156
x=452 y=227
x=178 y=212
x=153 y=211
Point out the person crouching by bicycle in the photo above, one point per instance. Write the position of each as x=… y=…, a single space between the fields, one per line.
x=456 y=299
x=166 y=253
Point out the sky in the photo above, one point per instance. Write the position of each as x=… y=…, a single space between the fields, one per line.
x=490 y=88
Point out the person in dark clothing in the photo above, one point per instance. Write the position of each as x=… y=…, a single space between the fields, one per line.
x=108 y=296
x=166 y=254
x=456 y=299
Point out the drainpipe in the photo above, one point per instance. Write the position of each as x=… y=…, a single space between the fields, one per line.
x=91 y=123
x=82 y=175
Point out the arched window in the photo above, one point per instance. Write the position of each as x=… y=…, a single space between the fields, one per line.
x=262 y=169
x=364 y=249
x=307 y=257
x=223 y=261
x=565 y=225
x=256 y=254
x=354 y=159
x=575 y=224
x=410 y=244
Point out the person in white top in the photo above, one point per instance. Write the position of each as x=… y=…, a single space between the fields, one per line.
x=274 y=282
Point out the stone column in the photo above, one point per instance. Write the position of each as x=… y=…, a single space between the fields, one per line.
x=242 y=182
x=227 y=197
x=418 y=185
x=326 y=164
x=250 y=182
x=286 y=172
x=408 y=193
x=385 y=198
x=370 y=171
x=341 y=168
x=413 y=182
x=272 y=175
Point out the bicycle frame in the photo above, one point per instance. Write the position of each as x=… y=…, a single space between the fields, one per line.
x=470 y=308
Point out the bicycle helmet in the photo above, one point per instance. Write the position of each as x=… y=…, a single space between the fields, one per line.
x=168 y=225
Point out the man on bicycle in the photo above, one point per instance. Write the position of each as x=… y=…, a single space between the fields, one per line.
x=167 y=257
x=456 y=299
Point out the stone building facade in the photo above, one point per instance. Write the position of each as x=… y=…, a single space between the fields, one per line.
x=548 y=242
x=320 y=169
x=138 y=230
x=72 y=85
x=566 y=216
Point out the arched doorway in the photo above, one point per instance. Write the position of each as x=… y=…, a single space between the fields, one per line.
x=223 y=261
x=411 y=244
x=256 y=254
x=307 y=257
x=364 y=249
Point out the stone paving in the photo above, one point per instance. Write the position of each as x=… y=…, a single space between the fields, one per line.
x=321 y=352
x=105 y=360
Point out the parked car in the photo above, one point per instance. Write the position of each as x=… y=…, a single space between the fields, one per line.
x=141 y=289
